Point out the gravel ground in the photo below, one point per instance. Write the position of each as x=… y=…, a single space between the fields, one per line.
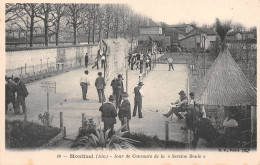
x=161 y=87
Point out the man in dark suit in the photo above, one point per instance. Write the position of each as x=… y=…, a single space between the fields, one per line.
x=22 y=93
x=125 y=111
x=108 y=114
x=118 y=89
x=100 y=85
x=86 y=60
x=138 y=100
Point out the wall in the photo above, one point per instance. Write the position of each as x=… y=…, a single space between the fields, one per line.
x=209 y=39
x=40 y=59
x=151 y=30
x=188 y=43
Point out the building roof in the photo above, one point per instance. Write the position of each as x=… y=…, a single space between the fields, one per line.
x=225 y=84
x=164 y=39
x=151 y=23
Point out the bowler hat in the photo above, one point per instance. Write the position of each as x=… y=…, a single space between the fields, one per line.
x=99 y=73
x=120 y=76
x=124 y=94
x=140 y=83
x=191 y=94
x=181 y=92
x=111 y=97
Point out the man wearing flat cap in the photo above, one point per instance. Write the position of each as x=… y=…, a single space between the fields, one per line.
x=108 y=114
x=100 y=85
x=138 y=100
x=125 y=111
x=181 y=104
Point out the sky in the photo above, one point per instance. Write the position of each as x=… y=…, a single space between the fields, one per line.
x=246 y=12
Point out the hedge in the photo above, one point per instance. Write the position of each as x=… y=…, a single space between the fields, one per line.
x=27 y=135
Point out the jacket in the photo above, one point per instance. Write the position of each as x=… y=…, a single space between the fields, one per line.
x=125 y=110
x=108 y=110
x=100 y=83
x=21 y=89
x=138 y=95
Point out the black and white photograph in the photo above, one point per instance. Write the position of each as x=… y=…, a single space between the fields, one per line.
x=162 y=76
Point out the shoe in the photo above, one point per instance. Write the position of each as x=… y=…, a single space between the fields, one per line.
x=134 y=115
x=165 y=115
x=140 y=117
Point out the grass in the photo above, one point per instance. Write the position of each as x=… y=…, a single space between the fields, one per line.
x=29 y=135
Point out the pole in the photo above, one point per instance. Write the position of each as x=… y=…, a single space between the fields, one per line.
x=25 y=115
x=83 y=119
x=48 y=119
x=167 y=131
x=61 y=120
x=204 y=56
x=125 y=121
x=127 y=80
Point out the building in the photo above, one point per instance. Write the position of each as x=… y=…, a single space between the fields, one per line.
x=198 y=38
x=153 y=32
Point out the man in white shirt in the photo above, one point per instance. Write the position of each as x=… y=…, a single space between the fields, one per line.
x=170 y=63
x=84 y=83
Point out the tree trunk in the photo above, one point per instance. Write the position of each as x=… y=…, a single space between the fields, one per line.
x=46 y=32
x=31 y=29
x=93 y=31
x=57 y=32
x=74 y=34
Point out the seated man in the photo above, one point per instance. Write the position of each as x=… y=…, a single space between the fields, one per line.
x=181 y=104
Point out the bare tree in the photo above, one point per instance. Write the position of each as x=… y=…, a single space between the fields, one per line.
x=108 y=19
x=44 y=13
x=12 y=12
x=74 y=11
x=57 y=15
x=28 y=9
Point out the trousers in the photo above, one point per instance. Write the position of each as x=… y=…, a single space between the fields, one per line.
x=101 y=95
x=176 y=111
x=84 y=88
x=138 y=105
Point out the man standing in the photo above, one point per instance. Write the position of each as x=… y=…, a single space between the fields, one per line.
x=22 y=93
x=138 y=100
x=181 y=104
x=118 y=89
x=132 y=61
x=108 y=114
x=103 y=59
x=84 y=83
x=86 y=60
x=100 y=85
x=96 y=63
x=10 y=94
x=170 y=63
x=125 y=111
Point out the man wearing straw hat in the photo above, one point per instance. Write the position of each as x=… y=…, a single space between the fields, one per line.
x=108 y=114
x=138 y=100
x=100 y=85
x=125 y=111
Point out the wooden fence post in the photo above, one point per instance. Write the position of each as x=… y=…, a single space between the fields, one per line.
x=61 y=120
x=167 y=131
x=83 y=119
x=125 y=121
